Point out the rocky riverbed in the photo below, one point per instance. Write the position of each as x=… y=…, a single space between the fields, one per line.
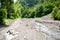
x=29 y=30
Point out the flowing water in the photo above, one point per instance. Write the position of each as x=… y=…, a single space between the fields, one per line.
x=46 y=30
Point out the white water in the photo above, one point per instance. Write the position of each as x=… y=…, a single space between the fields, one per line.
x=9 y=36
x=14 y=34
x=43 y=28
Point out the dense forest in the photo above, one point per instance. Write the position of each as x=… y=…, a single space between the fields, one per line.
x=12 y=9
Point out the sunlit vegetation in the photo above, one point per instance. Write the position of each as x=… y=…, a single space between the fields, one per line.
x=56 y=13
x=10 y=9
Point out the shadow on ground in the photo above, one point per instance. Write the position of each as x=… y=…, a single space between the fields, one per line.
x=2 y=27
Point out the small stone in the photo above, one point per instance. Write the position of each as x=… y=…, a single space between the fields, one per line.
x=25 y=38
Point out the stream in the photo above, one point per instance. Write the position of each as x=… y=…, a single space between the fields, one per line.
x=44 y=29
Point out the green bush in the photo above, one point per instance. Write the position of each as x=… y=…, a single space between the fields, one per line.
x=48 y=7
x=37 y=11
x=28 y=9
x=9 y=10
x=56 y=13
x=15 y=11
x=3 y=15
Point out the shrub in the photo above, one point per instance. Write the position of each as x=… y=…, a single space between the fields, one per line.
x=9 y=10
x=3 y=15
x=56 y=13
x=48 y=8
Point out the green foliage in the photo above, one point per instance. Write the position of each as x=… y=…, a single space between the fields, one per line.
x=56 y=13
x=28 y=3
x=9 y=10
x=24 y=13
x=28 y=9
x=48 y=8
x=15 y=11
x=37 y=10
x=3 y=15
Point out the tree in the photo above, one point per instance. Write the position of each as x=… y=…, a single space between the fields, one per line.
x=10 y=9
